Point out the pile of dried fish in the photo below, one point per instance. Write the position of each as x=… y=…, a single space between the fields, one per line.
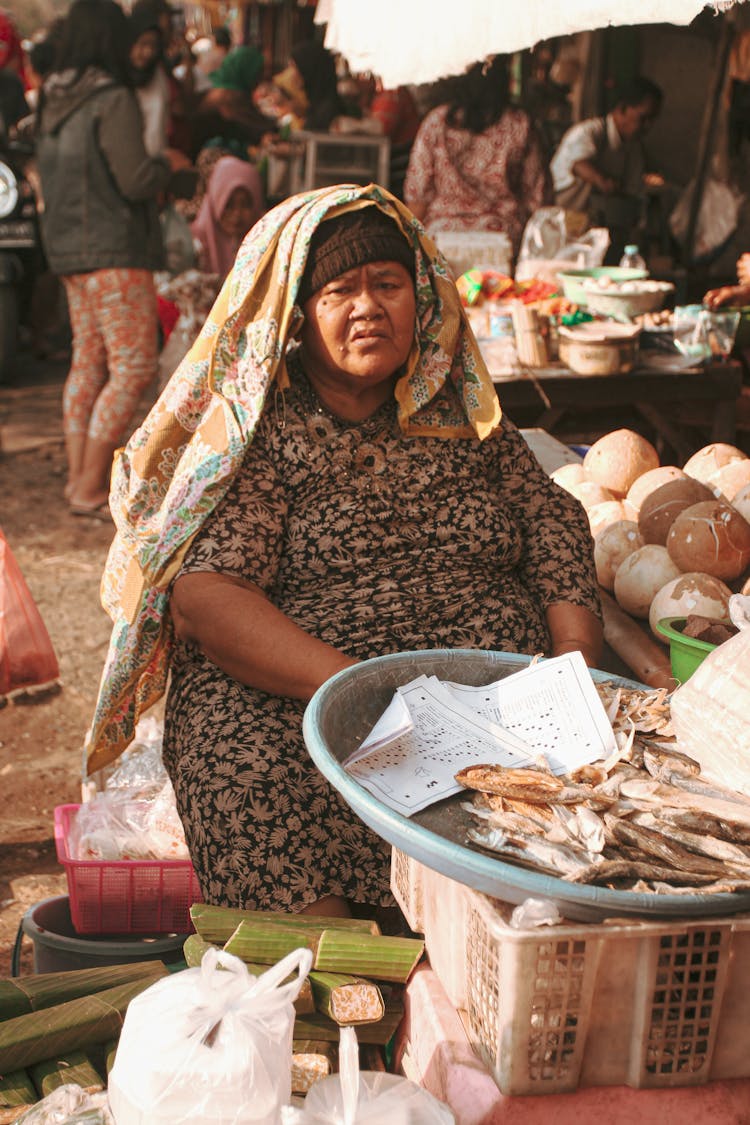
x=643 y=820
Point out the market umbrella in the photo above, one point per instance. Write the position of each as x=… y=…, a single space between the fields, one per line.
x=415 y=41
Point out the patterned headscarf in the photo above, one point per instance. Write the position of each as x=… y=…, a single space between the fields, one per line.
x=180 y=462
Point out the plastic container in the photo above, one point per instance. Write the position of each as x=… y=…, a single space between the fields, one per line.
x=571 y=280
x=643 y=1004
x=600 y=348
x=475 y=250
x=57 y=947
x=128 y=896
x=685 y=653
x=632 y=258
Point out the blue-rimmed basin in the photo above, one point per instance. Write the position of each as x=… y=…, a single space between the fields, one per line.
x=344 y=710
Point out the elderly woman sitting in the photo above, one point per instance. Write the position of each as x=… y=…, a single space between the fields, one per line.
x=343 y=485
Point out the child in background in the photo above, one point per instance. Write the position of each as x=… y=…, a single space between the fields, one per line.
x=233 y=203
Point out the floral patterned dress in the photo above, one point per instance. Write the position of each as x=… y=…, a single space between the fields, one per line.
x=375 y=542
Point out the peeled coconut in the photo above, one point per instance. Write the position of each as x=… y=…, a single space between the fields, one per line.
x=567 y=476
x=612 y=511
x=704 y=464
x=650 y=481
x=731 y=479
x=641 y=575
x=711 y=537
x=612 y=546
x=662 y=507
x=618 y=459
x=590 y=493
x=741 y=502
x=690 y=593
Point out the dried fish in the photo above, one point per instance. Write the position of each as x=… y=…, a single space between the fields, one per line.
x=651 y=792
x=656 y=844
x=706 y=845
x=621 y=870
x=553 y=858
x=658 y=756
x=702 y=788
x=695 y=820
x=534 y=786
x=583 y=827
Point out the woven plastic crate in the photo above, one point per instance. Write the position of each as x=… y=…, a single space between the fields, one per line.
x=644 y=1004
x=406 y=885
x=127 y=896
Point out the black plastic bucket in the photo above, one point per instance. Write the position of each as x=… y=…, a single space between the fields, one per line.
x=57 y=946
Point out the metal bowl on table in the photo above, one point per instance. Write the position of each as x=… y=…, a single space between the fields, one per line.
x=344 y=710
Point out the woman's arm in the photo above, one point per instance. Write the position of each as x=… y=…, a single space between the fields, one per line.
x=235 y=625
x=573 y=627
x=137 y=175
x=588 y=172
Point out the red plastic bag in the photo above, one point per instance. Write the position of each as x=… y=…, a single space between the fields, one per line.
x=27 y=658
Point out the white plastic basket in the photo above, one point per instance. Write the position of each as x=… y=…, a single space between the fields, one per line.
x=475 y=250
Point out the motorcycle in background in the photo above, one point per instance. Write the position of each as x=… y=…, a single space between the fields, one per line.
x=20 y=246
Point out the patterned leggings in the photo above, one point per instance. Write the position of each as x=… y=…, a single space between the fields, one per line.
x=115 y=350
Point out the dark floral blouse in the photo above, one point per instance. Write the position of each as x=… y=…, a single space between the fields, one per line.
x=375 y=543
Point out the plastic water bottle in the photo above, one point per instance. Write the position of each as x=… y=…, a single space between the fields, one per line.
x=632 y=259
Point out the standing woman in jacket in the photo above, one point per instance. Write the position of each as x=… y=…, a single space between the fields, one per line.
x=101 y=234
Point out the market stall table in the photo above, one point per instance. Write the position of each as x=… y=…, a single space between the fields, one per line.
x=656 y=390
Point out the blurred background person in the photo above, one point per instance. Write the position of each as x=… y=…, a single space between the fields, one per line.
x=148 y=74
x=385 y=113
x=477 y=161
x=226 y=114
x=100 y=230
x=314 y=68
x=232 y=204
x=599 y=168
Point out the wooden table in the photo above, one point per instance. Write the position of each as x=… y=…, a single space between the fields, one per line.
x=546 y=397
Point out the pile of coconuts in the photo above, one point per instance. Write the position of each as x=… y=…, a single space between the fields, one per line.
x=668 y=541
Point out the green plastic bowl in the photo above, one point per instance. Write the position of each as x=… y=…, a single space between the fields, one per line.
x=685 y=653
x=572 y=280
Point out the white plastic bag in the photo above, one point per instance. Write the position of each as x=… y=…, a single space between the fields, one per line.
x=209 y=1046
x=718 y=216
x=546 y=247
x=69 y=1105
x=354 y=1097
x=711 y=710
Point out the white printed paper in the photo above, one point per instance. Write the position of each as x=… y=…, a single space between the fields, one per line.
x=418 y=766
x=550 y=709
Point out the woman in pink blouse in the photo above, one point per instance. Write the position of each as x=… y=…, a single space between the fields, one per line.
x=477 y=162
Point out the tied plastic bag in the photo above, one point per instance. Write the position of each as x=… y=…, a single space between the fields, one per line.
x=209 y=1046
x=354 y=1097
x=27 y=658
x=716 y=698
x=548 y=247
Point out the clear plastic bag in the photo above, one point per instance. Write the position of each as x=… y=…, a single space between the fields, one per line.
x=547 y=247
x=27 y=658
x=717 y=698
x=69 y=1105
x=209 y=1046
x=354 y=1097
x=717 y=220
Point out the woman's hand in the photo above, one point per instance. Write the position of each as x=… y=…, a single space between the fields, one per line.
x=573 y=628
x=743 y=269
x=235 y=625
x=727 y=295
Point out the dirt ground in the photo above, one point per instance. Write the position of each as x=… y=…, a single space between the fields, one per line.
x=61 y=558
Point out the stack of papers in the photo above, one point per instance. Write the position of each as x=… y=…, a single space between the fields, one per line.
x=432 y=729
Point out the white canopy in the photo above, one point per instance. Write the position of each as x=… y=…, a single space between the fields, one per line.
x=413 y=41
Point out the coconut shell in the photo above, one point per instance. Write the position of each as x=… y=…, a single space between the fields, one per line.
x=731 y=479
x=618 y=459
x=567 y=476
x=741 y=502
x=711 y=537
x=641 y=575
x=590 y=493
x=612 y=546
x=690 y=593
x=612 y=511
x=661 y=508
x=650 y=481
x=709 y=460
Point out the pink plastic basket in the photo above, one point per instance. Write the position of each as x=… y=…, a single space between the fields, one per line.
x=129 y=896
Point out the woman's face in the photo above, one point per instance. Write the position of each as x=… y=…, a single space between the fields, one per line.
x=145 y=50
x=238 y=214
x=359 y=328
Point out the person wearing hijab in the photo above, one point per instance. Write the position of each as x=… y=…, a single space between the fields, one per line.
x=232 y=204
x=226 y=113
x=148 y=75
x=327 y=477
